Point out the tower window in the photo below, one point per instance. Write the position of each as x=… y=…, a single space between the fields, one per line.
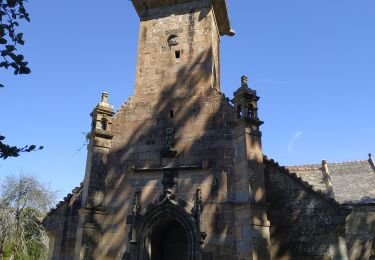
x=177 y=54
x=239 y=111
x=249 y=111
x=103 y=124
x=171 y=114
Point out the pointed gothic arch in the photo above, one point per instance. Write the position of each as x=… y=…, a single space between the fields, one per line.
x=171 y=217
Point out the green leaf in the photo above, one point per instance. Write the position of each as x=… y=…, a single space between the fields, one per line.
x=12 y=3
x=10 y=48
x=3 y=41
x=14 y=65
x=4 y=64
x=19 y=36
x=19 y=58
x=25 y=70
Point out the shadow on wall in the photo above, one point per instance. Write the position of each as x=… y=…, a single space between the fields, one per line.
x=306 y=224
x=360 y=232
x=197 y=114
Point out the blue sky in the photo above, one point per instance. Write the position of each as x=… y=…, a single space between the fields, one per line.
x=312 y=62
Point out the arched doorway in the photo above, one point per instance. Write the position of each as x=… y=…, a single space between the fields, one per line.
x=169 y=241
x=167 y=231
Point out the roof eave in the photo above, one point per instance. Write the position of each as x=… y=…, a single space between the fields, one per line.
x=222 y=17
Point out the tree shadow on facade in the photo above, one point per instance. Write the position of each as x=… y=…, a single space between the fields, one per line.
x=306 y=224
x=198 y=116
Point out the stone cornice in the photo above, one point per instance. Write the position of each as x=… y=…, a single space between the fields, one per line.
x=219 y=6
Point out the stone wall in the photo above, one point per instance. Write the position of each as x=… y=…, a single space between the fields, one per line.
x=61 y=225
x=304 y=224
x=178 y=47
x=201 y=138
x=360 y=232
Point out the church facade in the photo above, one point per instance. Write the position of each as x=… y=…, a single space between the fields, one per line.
x=178 y=171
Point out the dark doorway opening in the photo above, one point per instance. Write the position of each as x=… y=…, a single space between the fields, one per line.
x=169 y=241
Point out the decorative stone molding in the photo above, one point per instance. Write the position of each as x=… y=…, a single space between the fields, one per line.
x=161 y=210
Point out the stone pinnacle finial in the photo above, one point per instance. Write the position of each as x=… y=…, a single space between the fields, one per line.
x=104 y=97
x=371 y=161
x=104 y=100
x=327 y=179
x=244 y=81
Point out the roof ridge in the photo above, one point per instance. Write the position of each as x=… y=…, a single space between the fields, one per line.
x=315 y=164
x=354 y=161
x=305 y=167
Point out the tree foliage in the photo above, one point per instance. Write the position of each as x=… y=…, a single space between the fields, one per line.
x=12 y=12
x=24 y=202
x=14 y=151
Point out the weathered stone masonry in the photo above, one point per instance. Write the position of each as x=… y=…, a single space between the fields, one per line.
x=178 y=172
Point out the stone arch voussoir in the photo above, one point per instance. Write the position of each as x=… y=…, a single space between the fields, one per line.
x=168 y=209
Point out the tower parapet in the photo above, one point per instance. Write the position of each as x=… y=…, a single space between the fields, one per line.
x=220 y=7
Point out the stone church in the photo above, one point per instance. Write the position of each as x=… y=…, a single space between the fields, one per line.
x=178 y=172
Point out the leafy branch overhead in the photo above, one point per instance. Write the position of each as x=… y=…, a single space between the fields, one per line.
x=11 y=13
x=13 y=151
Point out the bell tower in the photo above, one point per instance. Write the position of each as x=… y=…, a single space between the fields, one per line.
x=179 y=46
x=251 y=211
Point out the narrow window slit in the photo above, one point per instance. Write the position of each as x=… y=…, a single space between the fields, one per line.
x=178 y=54
x=171 y=114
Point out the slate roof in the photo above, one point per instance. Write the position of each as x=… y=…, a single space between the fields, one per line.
x=352 y=182
x=297 y=178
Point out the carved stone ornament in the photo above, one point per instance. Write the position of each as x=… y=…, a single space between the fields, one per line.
x=169 y=183
x=244 y=81
x=136 y=209
x=168 y=152
x=252 y=175
x=169 y=135
x=198 y=202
